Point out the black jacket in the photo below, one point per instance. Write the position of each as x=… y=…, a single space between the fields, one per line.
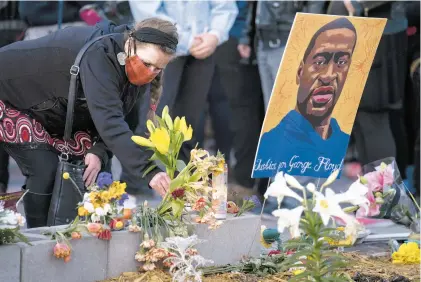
x=34 y=78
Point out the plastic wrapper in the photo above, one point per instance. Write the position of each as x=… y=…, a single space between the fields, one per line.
x=387 y=195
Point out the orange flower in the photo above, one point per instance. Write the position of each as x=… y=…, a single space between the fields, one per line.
x=127 y=213
x=200 y=204
x=67 y=259
x=76 y=235
x=232 y=207
x=61 y=250
x=94 y=228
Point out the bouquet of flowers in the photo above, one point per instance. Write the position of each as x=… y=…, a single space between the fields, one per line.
x=105 y=203
x=10 y=222
x=387 y=194
x=190 y=183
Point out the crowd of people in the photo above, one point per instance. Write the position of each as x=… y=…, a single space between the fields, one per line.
x=225 y=65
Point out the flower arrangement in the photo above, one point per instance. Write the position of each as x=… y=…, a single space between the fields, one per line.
x=190 y=183
x=184 y=260
x=10 y=222
x=150 y=254
x=387 y=194
x=102 y=209
x=309 y=228
x=104 y=204
x=408 y=253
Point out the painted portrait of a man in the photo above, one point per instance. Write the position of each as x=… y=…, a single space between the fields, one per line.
x=308 y=140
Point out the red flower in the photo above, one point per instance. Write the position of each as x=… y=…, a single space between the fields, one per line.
x=274 y=252
x=178 y=193
x=105 y=234
x=200 y=204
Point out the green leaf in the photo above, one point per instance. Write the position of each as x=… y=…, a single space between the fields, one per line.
x=149 y=170
x=177 y=207
x=176 y=182
x=180 y=165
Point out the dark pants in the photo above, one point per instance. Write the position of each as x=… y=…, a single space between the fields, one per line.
x=242 y=87
x=39 y=166
x=4 y=170
x=220 y=113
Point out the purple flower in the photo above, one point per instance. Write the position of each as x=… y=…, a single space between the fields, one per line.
x=124 y=197
x=255 y=201
x=104 y=179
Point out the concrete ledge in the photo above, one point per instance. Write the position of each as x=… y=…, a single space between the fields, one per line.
x=94 y=259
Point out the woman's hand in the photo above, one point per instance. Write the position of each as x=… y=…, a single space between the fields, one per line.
x=93 y=168
x=160 y=183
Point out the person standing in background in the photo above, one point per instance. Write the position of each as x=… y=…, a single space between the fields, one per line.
x=379 y=115
x=273 y=22
x=203 y=26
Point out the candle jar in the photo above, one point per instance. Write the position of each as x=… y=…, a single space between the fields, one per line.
x=220 y=193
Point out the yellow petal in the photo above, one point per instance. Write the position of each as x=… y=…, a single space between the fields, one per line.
x=161 y=139
x=168 y=121
x=177 y=123
x=165 y=111
x=141 y=141
x=183 y=126
x=150 y=126
x=189 y=134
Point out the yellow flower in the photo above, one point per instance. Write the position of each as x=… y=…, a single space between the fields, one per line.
x=408 y=253
x=165 y=111
x=150 y=126
x=81 y=211
x=161 y=140
x=169 y=122
x=66 y=175
x=105 y=196
x=177 y=123
x=189 y=134
x=141 y=141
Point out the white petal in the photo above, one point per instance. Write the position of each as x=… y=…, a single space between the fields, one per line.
x=311 y=187
x=100 y=211
x=325 y=217
x=293 y=182
x=332 y=177
x=89 y=207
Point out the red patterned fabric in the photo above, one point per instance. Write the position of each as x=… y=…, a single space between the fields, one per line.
x=18 y=127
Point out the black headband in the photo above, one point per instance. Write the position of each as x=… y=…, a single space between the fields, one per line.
x=155 y=36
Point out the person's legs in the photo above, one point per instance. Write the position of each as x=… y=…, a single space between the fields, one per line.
x=220 y=113
x=373 y=137
x=4 y=169
x=192 y=95
x=268 y=62
x=40 y=167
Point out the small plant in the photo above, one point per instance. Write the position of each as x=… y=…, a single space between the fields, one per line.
x=185 y=261
x=10 y=223
x=313 y=242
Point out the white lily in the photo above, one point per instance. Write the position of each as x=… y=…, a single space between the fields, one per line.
x=107 y=208
x=311 y=187
x=279 y=189
x=293 y=182
x=327 y=206
x=95 y=217
x=289 y=219
x=355 y=195
x=332 y=177
x=89 y=207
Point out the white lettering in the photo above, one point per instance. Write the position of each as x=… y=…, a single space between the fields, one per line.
x=269 y=165
x=298 y=164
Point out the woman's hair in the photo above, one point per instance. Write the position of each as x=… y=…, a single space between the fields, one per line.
x=156 y=84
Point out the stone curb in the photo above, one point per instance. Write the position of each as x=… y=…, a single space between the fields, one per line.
x=94 y=259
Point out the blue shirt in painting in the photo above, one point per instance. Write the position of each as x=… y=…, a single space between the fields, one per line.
x=294 y=147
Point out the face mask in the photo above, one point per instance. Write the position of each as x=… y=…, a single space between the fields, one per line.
x=137 y=72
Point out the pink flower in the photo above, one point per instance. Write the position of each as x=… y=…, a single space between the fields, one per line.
x=388 y=178
x=374 y=181
x=373 y=210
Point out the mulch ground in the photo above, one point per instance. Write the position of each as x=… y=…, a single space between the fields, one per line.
x=364 y=268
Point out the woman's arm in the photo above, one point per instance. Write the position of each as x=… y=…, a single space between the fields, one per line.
x=101 y=84
x=102 y=152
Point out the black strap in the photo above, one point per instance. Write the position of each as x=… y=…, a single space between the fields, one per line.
x=74 y=72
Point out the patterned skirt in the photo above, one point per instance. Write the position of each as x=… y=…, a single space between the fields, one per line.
x=17 y=127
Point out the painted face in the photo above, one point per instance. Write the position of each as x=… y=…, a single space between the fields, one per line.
x=322 y=75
